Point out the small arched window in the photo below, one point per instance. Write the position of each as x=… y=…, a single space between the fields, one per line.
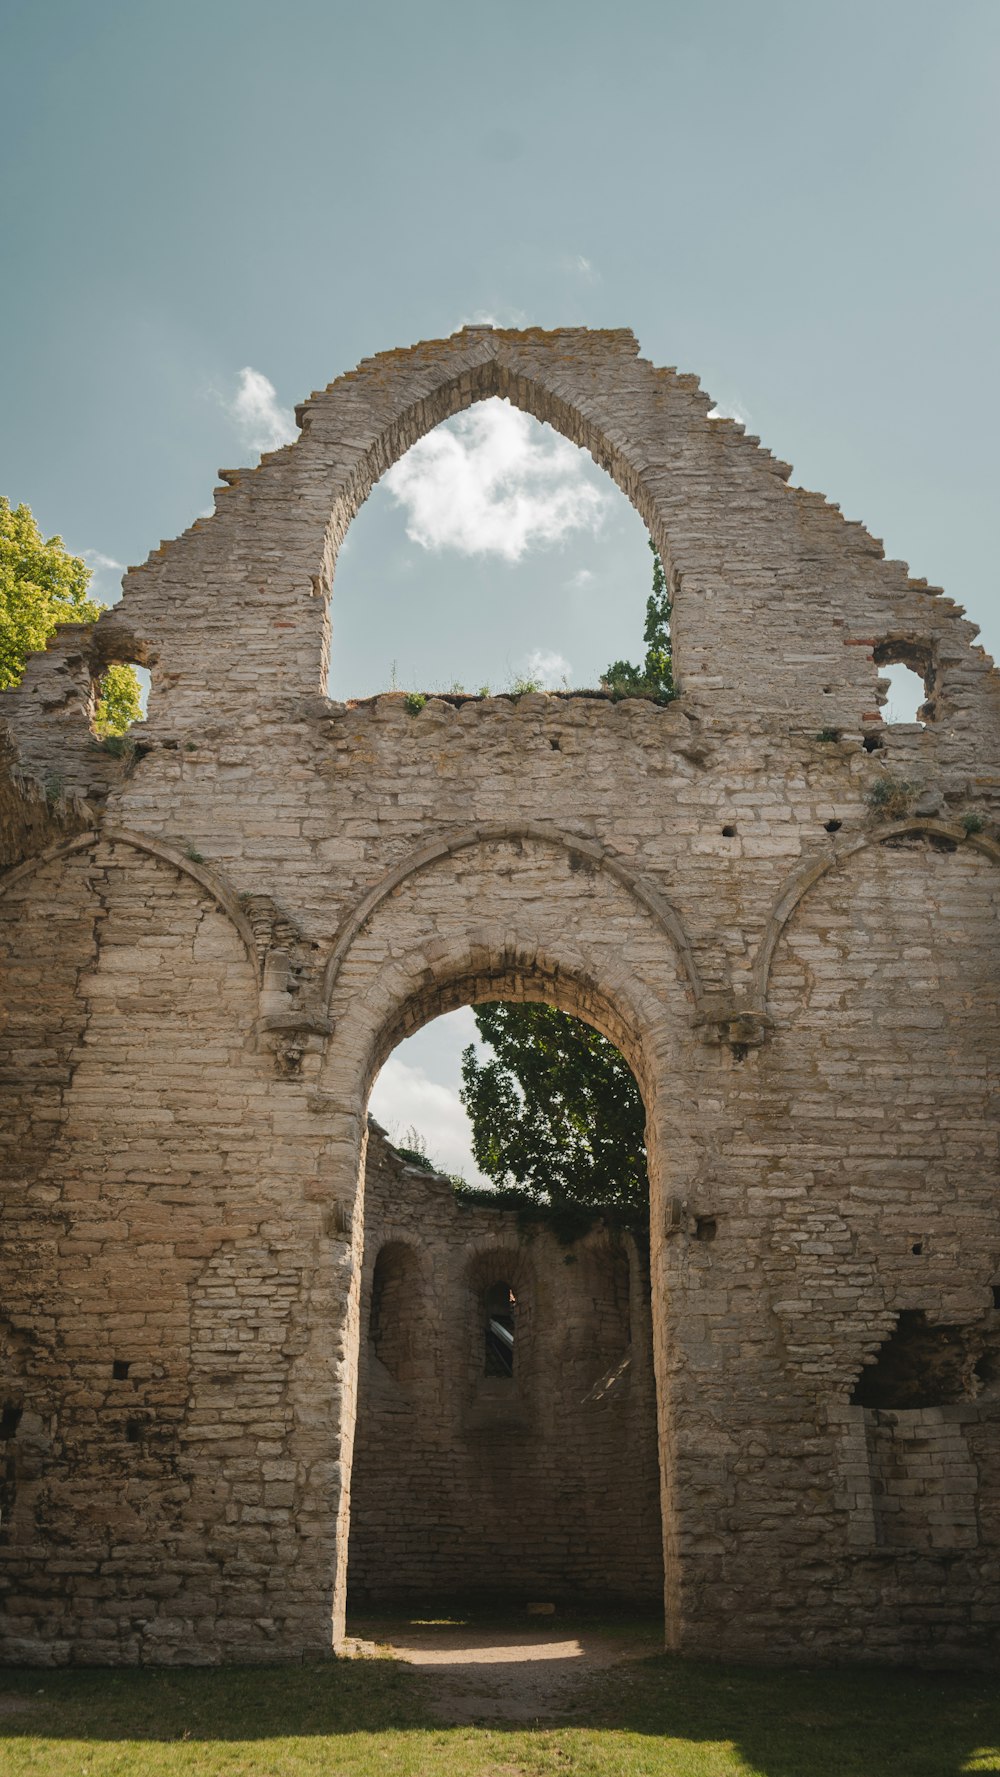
x=393 y=1324
x=499 y=1330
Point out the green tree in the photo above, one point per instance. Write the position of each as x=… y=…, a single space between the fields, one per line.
x=655 y=677
x=556 y=1114
x=118 y=705
x=41 y=586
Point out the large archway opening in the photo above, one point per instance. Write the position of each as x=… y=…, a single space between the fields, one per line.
x=493 y=555
x=525 y=914
x=506 y=1438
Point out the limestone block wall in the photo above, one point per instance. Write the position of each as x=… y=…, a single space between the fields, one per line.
x=544 y=1484
x=159 y=1260
x=781 y=909
x=924 y=1479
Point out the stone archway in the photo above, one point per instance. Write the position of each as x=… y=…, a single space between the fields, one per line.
x=510 y=918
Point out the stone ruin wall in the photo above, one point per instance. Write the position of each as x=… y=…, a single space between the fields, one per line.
x=208 y=949
x=539 y=1486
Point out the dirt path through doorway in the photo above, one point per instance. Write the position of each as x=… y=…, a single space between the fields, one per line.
x=517 y=1672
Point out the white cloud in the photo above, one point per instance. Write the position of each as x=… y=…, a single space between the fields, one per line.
x=729 y=410
x=262 y=423
x=102 y=563
x=105 y=585
x=550 y=670
x=581 y=578
x=502 y=317
x=404 y=1096
x=481 y=318
x=490 y=482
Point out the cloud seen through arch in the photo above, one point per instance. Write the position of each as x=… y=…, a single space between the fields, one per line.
x=492 y=481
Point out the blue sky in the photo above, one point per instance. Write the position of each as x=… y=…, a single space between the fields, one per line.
x=796 y=200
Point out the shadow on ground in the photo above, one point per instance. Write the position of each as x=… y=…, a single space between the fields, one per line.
x=477 y=1700
x=507 y=1670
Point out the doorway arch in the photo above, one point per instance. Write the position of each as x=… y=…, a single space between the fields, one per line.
x=508 y=918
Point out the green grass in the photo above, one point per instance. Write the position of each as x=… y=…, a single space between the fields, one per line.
x=659 y=1717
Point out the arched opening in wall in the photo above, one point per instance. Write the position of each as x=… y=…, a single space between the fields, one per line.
x=396 y=1306
x=518 y=1461
x=493 y=556
x=499 y=1323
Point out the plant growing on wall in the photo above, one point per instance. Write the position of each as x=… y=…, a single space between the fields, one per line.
x=413 y=1148
x=655 y=677
x=890 y=797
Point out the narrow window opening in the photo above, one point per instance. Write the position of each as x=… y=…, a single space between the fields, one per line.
x=996 y=1297
x=133 y=1431
x=119 y=1369
x=873 y=743
x=394 y=1321
x=10 y=1419
x=917 y=1248
x=499 y=1330
x=834 y=826
x=729 y=832
x=706 y=1228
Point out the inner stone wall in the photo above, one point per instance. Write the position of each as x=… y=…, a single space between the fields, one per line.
x=782 y=911
x=542 y=1485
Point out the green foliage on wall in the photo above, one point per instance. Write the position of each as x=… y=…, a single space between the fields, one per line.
x=655 y=677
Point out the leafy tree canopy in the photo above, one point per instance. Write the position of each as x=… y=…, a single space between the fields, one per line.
x=556 y=1114
x=41 y=586
x=655 y=677
x=118 y=705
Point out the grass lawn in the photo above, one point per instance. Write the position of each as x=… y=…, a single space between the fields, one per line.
x=658 y=1717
